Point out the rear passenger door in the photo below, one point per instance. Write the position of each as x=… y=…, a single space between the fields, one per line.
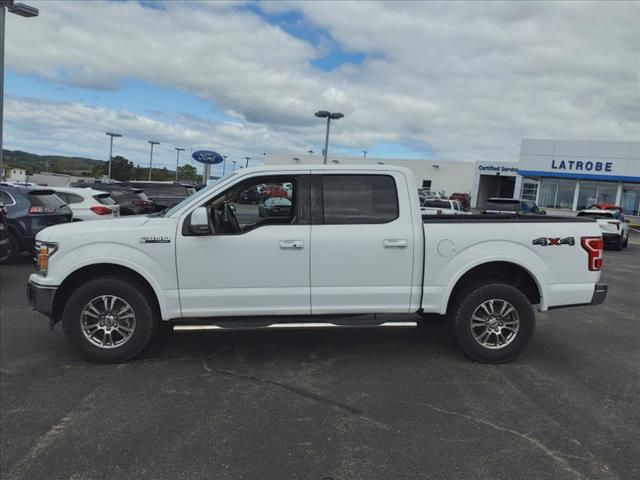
x=362 y=243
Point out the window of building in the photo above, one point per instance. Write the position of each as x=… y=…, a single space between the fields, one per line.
x=556 y=193
x=630 y=201
x=594 y=192
x=359 y=199
x=529 y=189
x=588 y=194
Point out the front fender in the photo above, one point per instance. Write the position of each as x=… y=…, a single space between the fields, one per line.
x=157 y=267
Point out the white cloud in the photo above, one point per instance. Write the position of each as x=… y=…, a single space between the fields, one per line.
x=469 y=80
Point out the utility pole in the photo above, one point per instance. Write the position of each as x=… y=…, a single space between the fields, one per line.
x=111 y=152
x=151 y=156
x=24 y=11
x=329 y=116
x=178 y=150
x=364 y=154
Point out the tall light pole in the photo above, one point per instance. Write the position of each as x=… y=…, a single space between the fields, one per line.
x=247 y=159
x=178 y=150
x=151 y=156
x=364 y=154
x=111 y=151
x=234 y=165
x=24 y=11
x=224 y=164
x=329 y=116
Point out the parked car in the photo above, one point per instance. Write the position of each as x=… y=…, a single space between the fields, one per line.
x=608 y=206
x=275 y=207
x=132 y=200
x=29 y=210
x=615 y=232
x=463 y=198
x=163 y=194
x=360 y=246
x=512 y=205
x=442 y=207
x=88 y=204
x=274 y=191
x=4 y=233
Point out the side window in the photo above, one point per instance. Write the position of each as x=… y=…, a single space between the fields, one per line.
x=72 y=198
x=359 y=199
x=254 y=203
x=6 y=198
x=63 y=196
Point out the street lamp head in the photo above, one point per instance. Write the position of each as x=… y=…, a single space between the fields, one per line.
x=336 y=115
x=153 y=143
x=179 y=149
x=322 y=114
x=22 y=9
x=113 y=134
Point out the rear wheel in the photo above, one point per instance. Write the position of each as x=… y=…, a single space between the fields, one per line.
x=626 y=241
x=109 y=319
x=13 y=249
x=493 y=323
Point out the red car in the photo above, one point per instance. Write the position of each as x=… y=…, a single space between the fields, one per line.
x=609 y=206
x=274 y=191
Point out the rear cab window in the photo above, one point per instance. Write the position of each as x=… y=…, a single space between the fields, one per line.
x=359 y=199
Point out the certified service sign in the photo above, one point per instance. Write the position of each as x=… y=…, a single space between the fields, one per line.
x=207 y=157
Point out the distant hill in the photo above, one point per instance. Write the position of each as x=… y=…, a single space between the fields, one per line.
x=121 y=168
x=33 y=163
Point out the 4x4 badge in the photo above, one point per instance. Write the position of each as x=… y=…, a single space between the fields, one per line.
x=552 y=242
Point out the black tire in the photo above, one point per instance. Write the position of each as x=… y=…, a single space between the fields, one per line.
x=126 y=289
x=626 y=241
x=14 y=249
x=472 y=299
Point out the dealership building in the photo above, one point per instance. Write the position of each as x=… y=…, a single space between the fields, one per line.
x=561 y=176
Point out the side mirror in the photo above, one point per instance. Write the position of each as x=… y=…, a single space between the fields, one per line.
x=199 y=222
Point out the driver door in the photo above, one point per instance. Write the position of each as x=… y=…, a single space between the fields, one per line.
x=256 y=259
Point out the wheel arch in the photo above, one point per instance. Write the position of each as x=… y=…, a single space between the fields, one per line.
x=504 y=271
x=83 y=274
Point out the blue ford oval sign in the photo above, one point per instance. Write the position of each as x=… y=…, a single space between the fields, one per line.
x=207 y=157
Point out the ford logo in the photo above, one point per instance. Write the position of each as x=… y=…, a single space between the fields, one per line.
x=207 y=157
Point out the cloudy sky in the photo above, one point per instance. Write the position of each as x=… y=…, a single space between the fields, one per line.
x=452 y=80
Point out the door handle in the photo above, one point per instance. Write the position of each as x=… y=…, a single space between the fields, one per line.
x=394 y=243
x=291 y=244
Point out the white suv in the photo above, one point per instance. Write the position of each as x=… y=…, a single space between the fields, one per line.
x=88 y=204
x=615 y=232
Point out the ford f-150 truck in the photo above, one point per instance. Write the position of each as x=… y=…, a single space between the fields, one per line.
x=352 y=244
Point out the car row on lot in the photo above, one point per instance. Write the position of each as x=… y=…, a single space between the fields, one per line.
x=27 y=208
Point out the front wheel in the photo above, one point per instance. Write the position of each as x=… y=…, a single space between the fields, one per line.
x=493 y=323
x=109 y=319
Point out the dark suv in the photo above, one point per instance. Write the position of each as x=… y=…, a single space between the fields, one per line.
x=29 y=210
x=163 y=194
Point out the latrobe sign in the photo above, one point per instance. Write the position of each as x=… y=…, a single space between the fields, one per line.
x=581 y=166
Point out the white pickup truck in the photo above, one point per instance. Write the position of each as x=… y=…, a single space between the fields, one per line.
x=351 y=243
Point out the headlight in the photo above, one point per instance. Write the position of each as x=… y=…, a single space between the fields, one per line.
x=44 y=250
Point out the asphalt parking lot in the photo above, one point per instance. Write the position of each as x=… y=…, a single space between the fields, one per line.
x=346 y=404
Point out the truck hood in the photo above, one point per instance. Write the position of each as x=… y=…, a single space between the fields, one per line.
x=57 y=232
